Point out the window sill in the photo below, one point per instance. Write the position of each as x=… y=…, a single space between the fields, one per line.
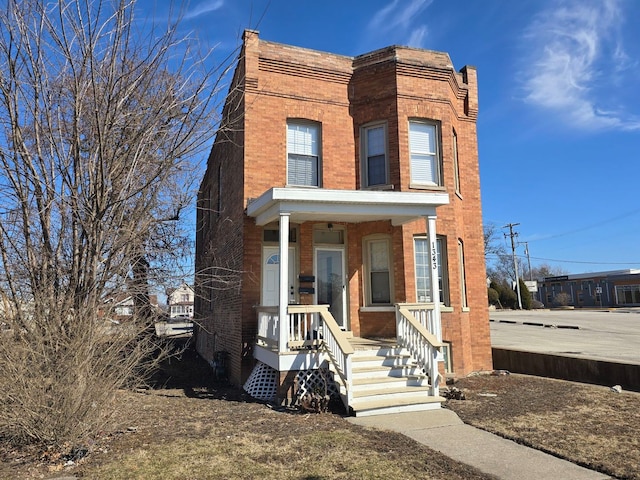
x=419 y=186
x=390 y=308
x=379 y=187
x=466 y=309
x=445 y=309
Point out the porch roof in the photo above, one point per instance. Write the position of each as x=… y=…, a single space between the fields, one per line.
x=351 y=206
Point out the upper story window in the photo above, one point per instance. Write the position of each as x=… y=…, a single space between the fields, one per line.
x=424 y=153
x=456 y=165
x=303 y=153
x=463 y=275
x=375 y=165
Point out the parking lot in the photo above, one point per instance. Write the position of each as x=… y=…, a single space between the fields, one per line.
x=604 y=335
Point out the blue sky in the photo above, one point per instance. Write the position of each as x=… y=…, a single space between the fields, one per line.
x=559 y=121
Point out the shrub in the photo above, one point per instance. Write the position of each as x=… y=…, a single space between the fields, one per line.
x=493 y=296
x=525 y=295
x=562 y=299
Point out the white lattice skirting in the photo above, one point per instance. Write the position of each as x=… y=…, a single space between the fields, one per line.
x=314 y=381
x=262 y=384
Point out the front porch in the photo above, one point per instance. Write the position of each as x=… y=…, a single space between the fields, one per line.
x=372 y=375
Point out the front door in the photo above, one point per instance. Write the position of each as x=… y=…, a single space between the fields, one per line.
x=330 y=282
x=271 y=276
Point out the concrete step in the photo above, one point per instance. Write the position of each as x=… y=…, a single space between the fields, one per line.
x=397 y=391
x=379 y=406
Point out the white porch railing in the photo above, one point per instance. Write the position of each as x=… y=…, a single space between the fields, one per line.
x=308 y=326
x=418 y=330
x=339 y=350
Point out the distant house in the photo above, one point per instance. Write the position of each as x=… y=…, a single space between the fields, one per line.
x=344 y=192
x=121 y=307
x=616 y=288
x=180 y=301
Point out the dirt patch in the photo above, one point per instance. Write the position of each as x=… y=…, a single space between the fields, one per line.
x=191 y=427
x=589 y=425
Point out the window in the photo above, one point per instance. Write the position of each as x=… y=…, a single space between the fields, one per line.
x=628 y=294
x=303 y=153
x=374 y=163
x=447 y=357
x=423 y=147
x=456 y=165
x=378 y=267
x=424 y=267
x=463 y=281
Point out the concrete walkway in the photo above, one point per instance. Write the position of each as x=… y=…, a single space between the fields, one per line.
x=443 y=431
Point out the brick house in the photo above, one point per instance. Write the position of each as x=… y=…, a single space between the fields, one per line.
x=342 y=195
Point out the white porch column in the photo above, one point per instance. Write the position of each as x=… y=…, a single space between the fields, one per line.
x=283 y=295
x=435 y=288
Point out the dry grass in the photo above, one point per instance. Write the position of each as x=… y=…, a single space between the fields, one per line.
x=210 y=432
x=586 y=424
x=192 y=429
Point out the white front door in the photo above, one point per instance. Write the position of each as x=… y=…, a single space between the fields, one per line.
x=271 y=275
x=330 y=282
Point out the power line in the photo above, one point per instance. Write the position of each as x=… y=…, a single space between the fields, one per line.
x=637 y=262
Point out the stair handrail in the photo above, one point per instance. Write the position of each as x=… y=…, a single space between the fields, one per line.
x=423 y=345
x=338 y=348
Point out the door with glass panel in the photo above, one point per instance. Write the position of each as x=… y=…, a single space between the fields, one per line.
x=330 y=282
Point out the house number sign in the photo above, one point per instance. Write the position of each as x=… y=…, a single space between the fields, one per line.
x=434 y=256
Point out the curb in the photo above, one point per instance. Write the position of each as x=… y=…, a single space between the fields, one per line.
x=537 y=324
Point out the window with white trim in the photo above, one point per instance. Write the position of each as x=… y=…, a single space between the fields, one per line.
x=424 y=153
x=378 y=271
x=456 y=165
x=303 y=153
x=375 y=165
x=424 y=267
x=463 y=280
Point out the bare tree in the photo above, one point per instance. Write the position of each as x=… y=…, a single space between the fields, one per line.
x=99 y=124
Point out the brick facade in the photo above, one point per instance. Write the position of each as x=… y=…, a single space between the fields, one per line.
x=274 y=83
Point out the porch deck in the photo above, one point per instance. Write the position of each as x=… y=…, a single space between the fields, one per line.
x=374 y=374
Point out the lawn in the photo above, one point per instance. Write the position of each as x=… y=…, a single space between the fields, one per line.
x=589 y=425
x=188 y=427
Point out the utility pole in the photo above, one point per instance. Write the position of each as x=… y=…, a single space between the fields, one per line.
x=512 y=235
x=526 y=252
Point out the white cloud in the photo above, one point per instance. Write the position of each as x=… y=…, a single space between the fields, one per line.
x=398 y=16
x=204 y=8
x=417 y=36
x=575 y=47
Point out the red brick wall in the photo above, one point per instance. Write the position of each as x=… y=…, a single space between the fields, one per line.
x=281 y=82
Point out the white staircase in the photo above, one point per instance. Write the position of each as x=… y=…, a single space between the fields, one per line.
x=385 y=379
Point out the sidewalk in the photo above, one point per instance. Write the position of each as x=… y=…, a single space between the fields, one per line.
x=442 y=430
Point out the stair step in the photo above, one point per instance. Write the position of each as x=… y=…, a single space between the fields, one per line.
x=381 y=352
x=397 y=390
x=387 y=379
x=379 y=383
x=408 y=404
x=362 y=371
x=381 y=361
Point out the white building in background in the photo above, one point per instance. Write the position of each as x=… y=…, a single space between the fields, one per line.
x=180 y=301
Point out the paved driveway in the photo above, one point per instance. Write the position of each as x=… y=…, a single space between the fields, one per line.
x=605 y=335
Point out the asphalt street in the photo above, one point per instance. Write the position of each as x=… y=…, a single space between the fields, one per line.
x=605 y=335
